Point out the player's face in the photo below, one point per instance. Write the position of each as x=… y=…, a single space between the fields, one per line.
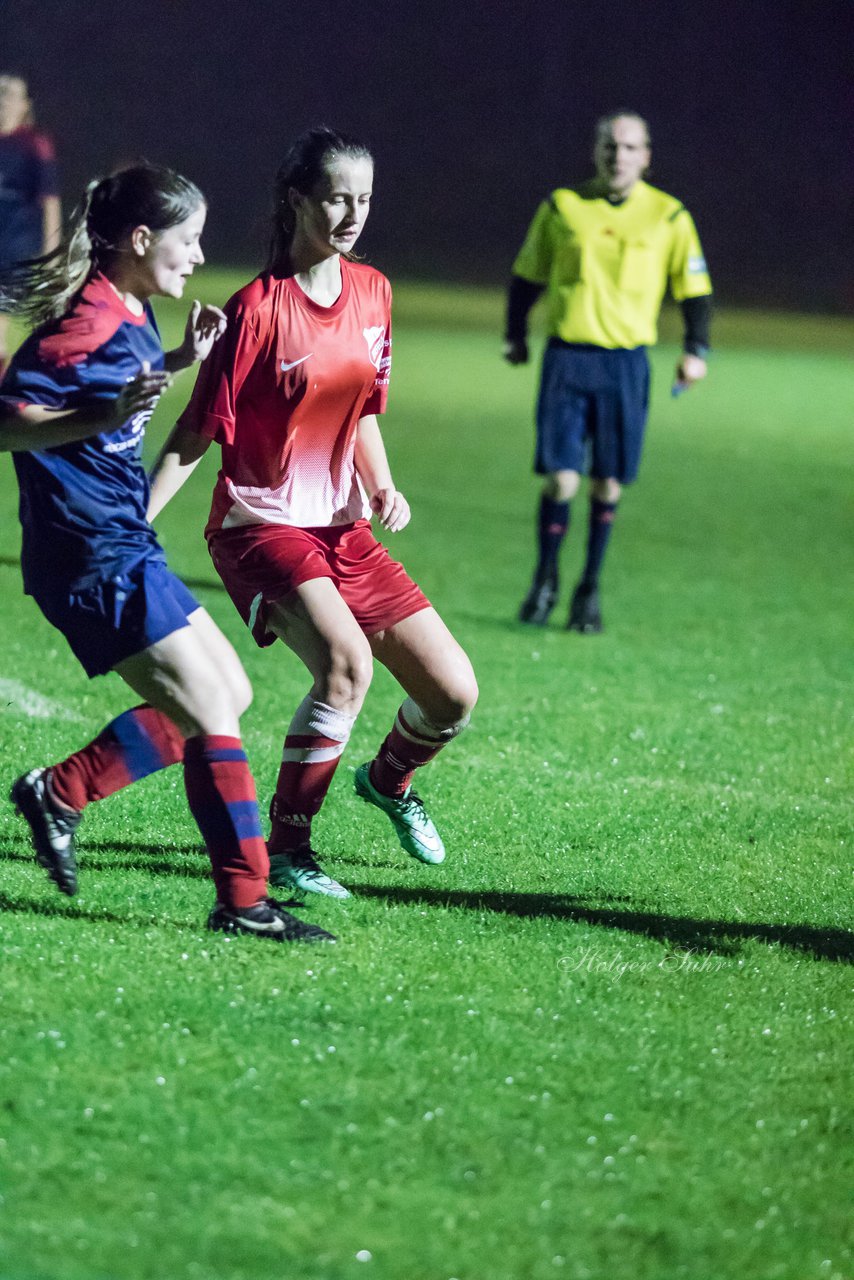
x=14 y=103
x=333 y=216
x=621 y=154
x=170 y=256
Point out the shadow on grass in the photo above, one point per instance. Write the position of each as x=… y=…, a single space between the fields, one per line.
x=60 y=907
x=190 y=860
x=687 y=933
x=682 y=932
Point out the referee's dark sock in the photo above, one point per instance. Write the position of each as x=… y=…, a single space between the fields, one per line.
x=552 y=527
x=601 y=522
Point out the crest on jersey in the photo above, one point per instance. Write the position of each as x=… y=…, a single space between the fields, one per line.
x=375 y=339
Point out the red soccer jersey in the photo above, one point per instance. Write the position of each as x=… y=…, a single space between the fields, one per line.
x=282 y=393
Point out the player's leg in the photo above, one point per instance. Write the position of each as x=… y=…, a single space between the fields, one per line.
x=181 y=676
x=562 y=412
x=435 y=672
x=316 y=624
x=147 y=627
x=585 y=612
x=139 y=742
x=142 y=740
x=618 y=434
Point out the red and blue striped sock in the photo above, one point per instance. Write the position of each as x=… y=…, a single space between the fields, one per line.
x=138 y=742
x=221 y=795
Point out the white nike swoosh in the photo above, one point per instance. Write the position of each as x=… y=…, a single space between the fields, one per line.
x=294 y=363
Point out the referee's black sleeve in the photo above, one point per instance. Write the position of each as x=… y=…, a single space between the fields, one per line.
x=521 y=296
x=697 y=316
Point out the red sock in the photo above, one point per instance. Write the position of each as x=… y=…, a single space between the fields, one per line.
x=132 y=746
x=414 y=740
x=316 y=738
x=221 y=795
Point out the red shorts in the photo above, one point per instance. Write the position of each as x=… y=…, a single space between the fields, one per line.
x=260 y=564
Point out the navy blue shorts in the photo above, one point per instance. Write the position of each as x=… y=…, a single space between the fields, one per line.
x=591 y=412
x=115 y=619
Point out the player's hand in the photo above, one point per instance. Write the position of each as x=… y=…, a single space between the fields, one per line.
x=140 y=394
x=515 y=351
x=391 y=509
x=204 y=326
x=689 y=370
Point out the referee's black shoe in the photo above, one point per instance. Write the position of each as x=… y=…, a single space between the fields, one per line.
x=52 y=829
x=585 y=614
x=539 y=602
x=266 y=919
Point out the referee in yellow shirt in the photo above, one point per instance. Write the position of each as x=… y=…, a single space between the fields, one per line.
x=605 y=253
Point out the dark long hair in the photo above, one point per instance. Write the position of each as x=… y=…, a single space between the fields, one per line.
x=141 y=195
x=301 y=170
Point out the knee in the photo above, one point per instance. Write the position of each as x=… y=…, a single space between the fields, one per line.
x=241 y=693
x=562 y=486
x=454 y=701
x=607 y=490
x=348 y=677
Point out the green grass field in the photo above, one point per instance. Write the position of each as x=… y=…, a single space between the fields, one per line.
x=611 y=1036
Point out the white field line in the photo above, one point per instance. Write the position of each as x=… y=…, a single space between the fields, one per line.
x=17 y=699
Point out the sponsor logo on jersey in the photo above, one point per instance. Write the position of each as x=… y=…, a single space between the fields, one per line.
x=696 y=266
x=136 y=430
x=376 y=341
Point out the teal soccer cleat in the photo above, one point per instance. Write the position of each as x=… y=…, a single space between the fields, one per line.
x=300 y=870
x=414 y=827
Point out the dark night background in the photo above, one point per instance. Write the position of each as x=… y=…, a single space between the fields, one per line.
x=474 y=113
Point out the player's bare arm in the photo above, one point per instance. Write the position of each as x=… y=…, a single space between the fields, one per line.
x=29 y=427
x=387 y=503
x=177 y=461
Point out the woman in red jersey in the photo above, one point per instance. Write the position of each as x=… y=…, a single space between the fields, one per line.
x=291 y=395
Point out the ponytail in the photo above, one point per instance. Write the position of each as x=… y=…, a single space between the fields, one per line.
x=40 y=289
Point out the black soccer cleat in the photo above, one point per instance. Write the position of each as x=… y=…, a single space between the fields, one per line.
x=266 y=919
x=52 y=829
x=584 y=612
x=539 y=602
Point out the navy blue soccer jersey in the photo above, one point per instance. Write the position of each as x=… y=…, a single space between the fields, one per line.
x=27 y=178
x=83 y=505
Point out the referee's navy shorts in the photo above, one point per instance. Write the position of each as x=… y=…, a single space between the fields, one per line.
x=120 y=616
x=591 y=412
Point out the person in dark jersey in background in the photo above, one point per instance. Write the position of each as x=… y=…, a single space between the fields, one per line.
x=291 y=395
x=29 y=193
x=73 y=409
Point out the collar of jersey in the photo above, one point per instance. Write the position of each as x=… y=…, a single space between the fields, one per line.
x=315 y=307
x=100 y=293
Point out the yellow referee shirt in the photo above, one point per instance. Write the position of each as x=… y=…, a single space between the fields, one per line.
x=607 y=266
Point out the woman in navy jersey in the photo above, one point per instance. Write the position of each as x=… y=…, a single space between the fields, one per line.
x=73 y=409
x=291 y=395
x=29 y=196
